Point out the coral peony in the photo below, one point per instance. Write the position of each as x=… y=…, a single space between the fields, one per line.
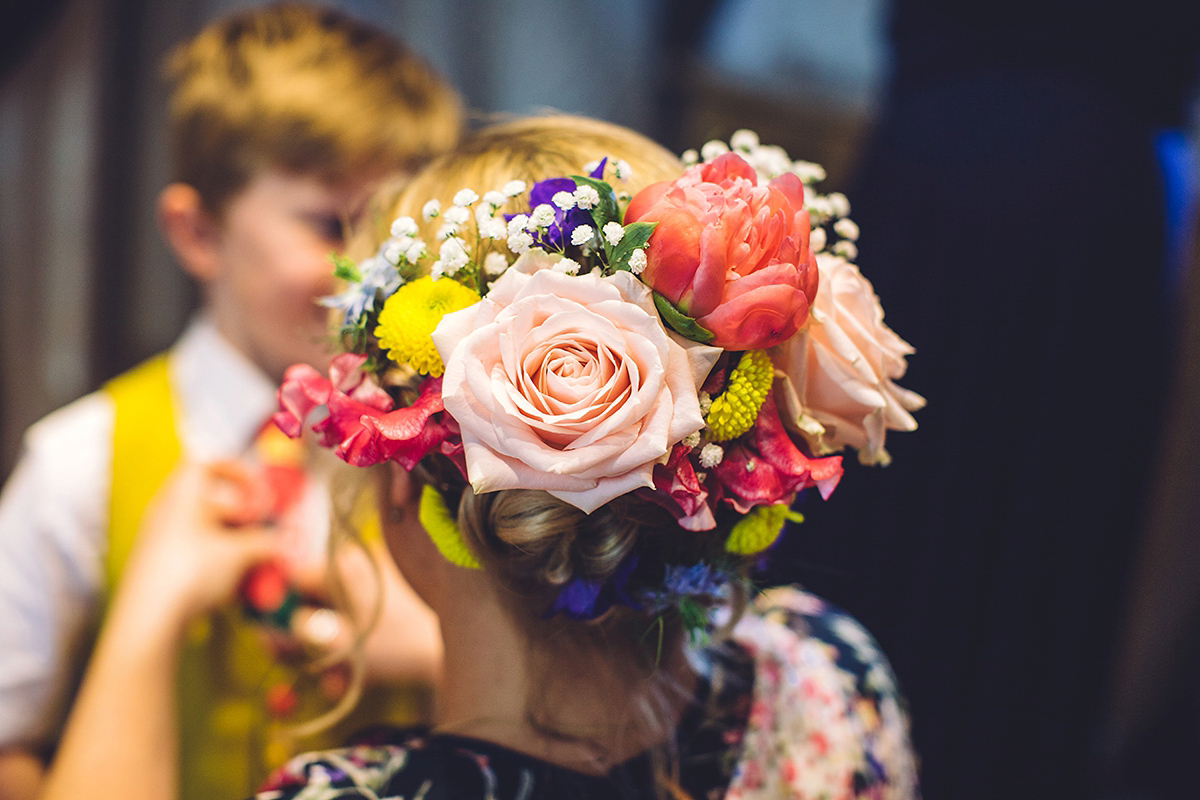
x=730 y=253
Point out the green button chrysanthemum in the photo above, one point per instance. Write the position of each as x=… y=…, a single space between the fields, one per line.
x=734 y=412
x=409 y=317
x=759 y=529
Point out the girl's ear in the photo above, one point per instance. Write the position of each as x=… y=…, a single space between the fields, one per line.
x=190 y=229
x=401 y=488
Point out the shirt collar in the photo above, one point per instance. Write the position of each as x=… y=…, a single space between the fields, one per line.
x=222 y=398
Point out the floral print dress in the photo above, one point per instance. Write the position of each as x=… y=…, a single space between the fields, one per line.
x=799 y=703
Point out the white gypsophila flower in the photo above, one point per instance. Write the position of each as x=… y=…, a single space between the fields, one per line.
x=591 y=167
x=819 y=206
x=586 y=197
x=691 y=440
x=447 y=231
x=637 y=261
x=453 y=256
x=808 y=172
x=393 y=251
x=816 y=239
x=582 y=235
x=483 y=213
x=404 y=226
x=564 y=200
x=513 y=188
x=517 y=224
x=840 y=203
x=520 y=242
x=413 y=254
x=465 y=197
x=744 y=140
x=492 y=229
x=494 y=264
x=614 y=232
x=457 y=215
x=705 y=400
x=568 y=266
x=711 y=455
x=846 y=228
x=690 y=157
x=435 y=271
x=622 y=170
x=624 y=197
x=846 y=249
x=494 y=198
x=713 y=150
x=542 y=216
x=431 y=209
x=770 y=161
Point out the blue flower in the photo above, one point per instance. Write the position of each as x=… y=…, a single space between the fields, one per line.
x=699 y=580
x=585 y=599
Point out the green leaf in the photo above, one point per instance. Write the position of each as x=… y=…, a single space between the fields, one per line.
x=637 y=234
x=344 y=268
x=683 y=324
x=606 y=210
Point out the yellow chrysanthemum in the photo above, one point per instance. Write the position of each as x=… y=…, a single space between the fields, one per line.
x=759 y=529
x=440 y=526
x=410 y=315
x=734 y=412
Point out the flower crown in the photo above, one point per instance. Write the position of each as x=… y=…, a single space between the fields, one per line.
x=706 y=343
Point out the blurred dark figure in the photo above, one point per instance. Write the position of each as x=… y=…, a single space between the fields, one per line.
x=1013 y=220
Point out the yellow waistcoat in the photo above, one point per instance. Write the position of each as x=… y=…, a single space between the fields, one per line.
x=228 y=742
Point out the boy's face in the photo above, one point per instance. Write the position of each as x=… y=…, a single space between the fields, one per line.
x=272 y=247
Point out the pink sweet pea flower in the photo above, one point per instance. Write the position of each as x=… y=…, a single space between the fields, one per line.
x=765 y=467
x=361 y=422
x=678 y=489
x=730 y=253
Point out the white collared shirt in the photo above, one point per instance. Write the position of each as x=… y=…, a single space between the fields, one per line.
x=54 y=521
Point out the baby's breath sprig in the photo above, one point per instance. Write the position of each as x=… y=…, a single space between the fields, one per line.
x=832 y=229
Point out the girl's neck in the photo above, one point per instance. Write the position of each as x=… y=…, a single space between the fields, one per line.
x=571 y=707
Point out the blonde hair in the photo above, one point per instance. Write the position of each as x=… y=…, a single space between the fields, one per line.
x=306 y=90
x=528 y=149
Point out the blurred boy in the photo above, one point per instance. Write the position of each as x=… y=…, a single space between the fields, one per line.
x=282 y=119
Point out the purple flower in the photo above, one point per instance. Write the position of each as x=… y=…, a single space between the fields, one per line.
x=584 y=599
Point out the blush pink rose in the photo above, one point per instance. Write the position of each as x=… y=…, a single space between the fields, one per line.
x=730 y=253
x=838 y=376
x=569 y=384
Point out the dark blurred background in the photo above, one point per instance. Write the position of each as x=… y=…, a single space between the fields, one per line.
x=1026 y=178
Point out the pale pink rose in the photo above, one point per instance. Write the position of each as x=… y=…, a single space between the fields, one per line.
x=730 y=253
x=569 y=384
x=837 y=385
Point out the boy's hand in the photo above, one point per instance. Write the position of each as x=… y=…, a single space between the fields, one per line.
x=198 y=539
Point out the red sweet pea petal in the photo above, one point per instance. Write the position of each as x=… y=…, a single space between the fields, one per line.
x=765 y=467
x=677 y=478
x=303 y=390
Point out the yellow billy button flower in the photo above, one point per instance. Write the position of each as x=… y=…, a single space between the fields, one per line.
x=759 y=529
x=409 y=316
x=734 y=412
x=436 y=520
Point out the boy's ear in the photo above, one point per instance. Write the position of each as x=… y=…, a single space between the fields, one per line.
x=190 y=230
